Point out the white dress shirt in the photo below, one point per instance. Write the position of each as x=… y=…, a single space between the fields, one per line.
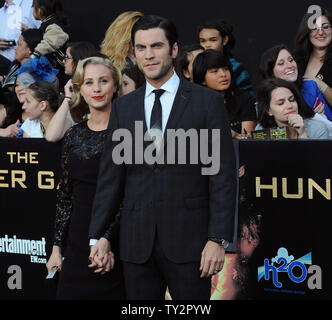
x=171 y=87
x=11 y=17
x=166 y=100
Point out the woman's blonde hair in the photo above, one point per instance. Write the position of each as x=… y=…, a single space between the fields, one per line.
x=117 y=39
x=79 y=109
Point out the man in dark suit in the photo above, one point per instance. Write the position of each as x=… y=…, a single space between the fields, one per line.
x=175 y=221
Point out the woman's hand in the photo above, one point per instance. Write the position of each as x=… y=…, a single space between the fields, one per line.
x=10 y=131
x=69 y=89
x=296 y=121
x=320 y=109
x=55 y=259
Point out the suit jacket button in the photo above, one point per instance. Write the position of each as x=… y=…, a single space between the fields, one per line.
x=156 y=170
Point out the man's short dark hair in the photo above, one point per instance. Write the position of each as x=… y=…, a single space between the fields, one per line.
x=151 y=21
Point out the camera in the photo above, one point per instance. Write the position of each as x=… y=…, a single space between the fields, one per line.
x=11 y=43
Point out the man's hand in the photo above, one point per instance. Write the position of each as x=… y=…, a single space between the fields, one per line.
x=212 y=261
x=3 y=44
x=24 y=27
x=101 y=256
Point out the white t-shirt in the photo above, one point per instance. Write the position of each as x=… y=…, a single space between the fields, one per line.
x=32 y=128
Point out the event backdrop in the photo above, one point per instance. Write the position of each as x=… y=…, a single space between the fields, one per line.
x=282 y=248
x=29 y=170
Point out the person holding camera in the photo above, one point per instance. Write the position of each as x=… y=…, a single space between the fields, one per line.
x=15 y=16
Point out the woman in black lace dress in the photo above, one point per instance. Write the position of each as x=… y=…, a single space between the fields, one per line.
x=97 y=81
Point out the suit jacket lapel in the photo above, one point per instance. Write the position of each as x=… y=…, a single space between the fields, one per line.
x=141 y=111
x=179 y=106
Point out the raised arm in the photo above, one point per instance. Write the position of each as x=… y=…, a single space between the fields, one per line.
x=60 y=123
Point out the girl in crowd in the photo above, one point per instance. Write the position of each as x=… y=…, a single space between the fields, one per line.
x=313 y=52
x=55 y=37
x=278 y=62
x=96 y=81
x=218 y=35
x=132 y=79
x=280 y=104
x=41 y=102
x=212 y=69
x=34 y=70
x=63 y=118
x=117 y=42
x=184 y=61
x=11 y=107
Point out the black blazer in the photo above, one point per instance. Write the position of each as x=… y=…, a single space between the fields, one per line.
x=177 y=202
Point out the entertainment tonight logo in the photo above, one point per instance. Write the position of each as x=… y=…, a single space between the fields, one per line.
x=291 y=271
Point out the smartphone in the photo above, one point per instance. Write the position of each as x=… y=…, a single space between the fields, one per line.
x=317 y=103
x=52 y=273
x=11 y=43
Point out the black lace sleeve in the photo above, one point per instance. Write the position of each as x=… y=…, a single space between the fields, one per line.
x=64 y=196
x=112 y=233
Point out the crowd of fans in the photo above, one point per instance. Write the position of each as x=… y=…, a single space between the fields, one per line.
x=43 y=53
x=47 y=92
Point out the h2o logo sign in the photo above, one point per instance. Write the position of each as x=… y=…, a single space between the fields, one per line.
x=296 y=270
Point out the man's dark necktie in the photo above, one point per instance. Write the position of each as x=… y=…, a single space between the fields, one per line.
x=156 y=115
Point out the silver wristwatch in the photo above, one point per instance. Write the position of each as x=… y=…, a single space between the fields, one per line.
x=224 y=243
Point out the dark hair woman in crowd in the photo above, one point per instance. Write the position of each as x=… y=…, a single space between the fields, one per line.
x=184 y=60
x=10 y=107
x=212 y=69
x=280 y=104
x=218 y=35
x=75 y=52
x=278 y=62
x=313 y=51
x=94 y=78
x=41 y=103
x=132 y=79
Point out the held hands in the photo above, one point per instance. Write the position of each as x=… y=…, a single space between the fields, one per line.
x=296 y=121
x=101 y=256
x=212 y=260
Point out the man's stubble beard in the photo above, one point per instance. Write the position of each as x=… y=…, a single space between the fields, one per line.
x=162 y=73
